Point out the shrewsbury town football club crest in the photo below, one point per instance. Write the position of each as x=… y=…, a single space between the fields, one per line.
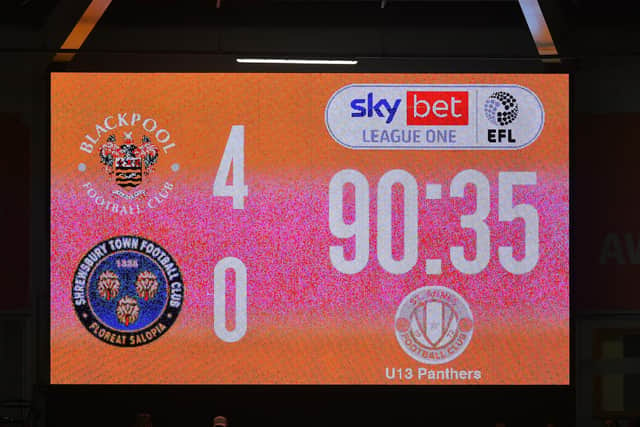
x=127 y=291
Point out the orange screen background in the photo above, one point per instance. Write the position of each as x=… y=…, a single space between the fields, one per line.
x=307 y=323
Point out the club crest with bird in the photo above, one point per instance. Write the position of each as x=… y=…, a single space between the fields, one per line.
x=128 y=163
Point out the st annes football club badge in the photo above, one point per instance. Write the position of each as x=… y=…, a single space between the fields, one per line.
x=434 y=325
x=127 y=291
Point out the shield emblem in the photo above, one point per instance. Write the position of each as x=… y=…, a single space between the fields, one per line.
x=128 y=171
x=433 y=324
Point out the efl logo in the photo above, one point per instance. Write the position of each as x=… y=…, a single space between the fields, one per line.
x=437 y=108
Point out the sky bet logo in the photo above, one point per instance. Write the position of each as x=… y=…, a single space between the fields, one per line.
x=438 y=108
x=379 y=116
x=423 y=108
x=381 y=108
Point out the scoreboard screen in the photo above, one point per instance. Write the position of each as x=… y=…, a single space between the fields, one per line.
x=401 y=229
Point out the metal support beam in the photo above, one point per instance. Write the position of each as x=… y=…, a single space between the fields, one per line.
x=538 y=28
x=82 y=29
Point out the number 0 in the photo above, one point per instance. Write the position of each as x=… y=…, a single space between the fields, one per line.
x=219 y=302
x=410 y=252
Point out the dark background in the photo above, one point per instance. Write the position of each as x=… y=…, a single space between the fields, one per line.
x=598 y=45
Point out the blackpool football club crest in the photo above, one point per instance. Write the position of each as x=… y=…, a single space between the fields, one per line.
x=127 y=291
x=434 y=325
x=127 y=166
x=128 y=163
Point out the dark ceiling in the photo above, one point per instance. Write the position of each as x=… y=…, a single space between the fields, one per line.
x=364 y=29
x=26 y=13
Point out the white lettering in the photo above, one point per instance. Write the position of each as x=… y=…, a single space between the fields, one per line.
x=145 y=125
x=122 y=119
x=106 y=123
x=86 y=147
x=165 y=139
x=417 y=103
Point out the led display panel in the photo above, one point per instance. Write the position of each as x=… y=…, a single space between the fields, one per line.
x=309 y=229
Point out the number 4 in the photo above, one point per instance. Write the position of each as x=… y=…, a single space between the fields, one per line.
x=233 y=154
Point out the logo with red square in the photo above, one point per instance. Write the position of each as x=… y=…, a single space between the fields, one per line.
x=428 y=108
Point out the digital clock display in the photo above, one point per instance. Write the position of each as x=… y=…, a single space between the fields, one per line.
x=309 y=229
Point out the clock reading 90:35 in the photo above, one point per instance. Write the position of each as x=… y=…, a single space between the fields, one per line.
x=476 y=221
